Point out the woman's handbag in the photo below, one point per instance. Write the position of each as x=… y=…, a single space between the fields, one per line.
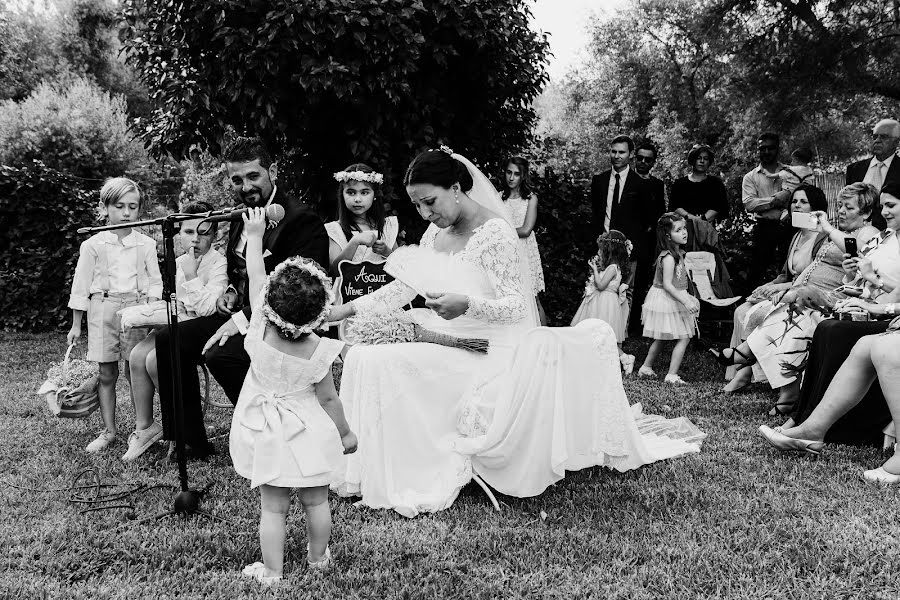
x=71 y=387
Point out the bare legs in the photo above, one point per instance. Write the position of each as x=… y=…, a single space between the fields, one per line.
x=109 y=374
x=275 y=502
x=144 y=381
x=742 y=378
x=848 y=387
x=677 y=355
x=886 y=360
x=318 y=521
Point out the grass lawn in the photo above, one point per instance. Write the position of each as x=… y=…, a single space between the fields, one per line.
x=738 y=520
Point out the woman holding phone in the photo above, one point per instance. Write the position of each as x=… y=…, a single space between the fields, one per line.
x=862 y=420
x=780 y=344
x=805 y=200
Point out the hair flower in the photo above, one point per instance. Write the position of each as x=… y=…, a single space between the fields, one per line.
x=292 y=329
x=372 y=177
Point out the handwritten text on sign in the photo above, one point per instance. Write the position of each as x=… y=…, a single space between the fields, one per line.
x=361 y=278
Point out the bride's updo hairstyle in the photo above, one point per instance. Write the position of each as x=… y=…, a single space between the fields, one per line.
x=436 y=167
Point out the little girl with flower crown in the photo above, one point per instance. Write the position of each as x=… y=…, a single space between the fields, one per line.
x=288 y=429
x=362 y=231
x=604 y=290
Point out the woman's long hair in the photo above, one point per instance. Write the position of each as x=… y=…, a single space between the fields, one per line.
x=664 y=227
x=375 y=215
x=525 y=190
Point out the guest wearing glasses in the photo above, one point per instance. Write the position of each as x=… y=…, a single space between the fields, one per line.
x=644 y=160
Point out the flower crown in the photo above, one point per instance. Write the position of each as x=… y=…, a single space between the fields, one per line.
x=291 y=329
x=372 y=177
x=629 y=247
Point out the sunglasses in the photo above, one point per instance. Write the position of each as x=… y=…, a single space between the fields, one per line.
x=646 y=159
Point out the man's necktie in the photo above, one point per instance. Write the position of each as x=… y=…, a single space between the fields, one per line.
x=877 y=179
x=616 y=190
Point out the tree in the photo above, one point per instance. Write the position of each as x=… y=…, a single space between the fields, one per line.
x=73 y=127
x=336 y=81
x=721 y=71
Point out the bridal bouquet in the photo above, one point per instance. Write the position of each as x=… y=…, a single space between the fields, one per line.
x=398 y=327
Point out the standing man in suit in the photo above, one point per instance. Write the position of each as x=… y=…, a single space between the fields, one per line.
x=644 y=160
x=763 y=198
x=883 y=166
x=620 y=200
x=252 y=174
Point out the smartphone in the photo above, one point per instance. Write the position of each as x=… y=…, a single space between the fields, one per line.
x=850 y=246
x=803 y=220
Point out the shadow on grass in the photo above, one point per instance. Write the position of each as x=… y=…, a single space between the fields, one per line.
x=737 y=520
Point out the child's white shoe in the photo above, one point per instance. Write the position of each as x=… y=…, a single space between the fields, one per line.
x=646 y=372
x=627 y=361
x=259 y=572
x=141 y=439
x=102 y=442
x=674 y=379
x=320 y=565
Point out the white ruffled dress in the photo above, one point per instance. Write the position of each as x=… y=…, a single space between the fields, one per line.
x=280 y=434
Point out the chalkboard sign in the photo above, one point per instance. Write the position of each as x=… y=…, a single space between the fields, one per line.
x=358 y=279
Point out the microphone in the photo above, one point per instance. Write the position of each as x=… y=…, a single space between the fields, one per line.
x=274 y=212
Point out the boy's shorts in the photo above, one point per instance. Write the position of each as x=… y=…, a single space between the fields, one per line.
x=106 y=341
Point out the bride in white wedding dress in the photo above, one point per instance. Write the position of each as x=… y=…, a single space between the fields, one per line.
x=540 y=402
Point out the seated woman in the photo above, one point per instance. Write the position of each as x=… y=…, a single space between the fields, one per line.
x=804 y=245
x=699 y=195
x=780 y=344
x=831 y=345
x=429 y=417
x=873 y=356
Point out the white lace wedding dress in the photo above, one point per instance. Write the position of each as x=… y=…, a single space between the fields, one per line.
x=542 y=401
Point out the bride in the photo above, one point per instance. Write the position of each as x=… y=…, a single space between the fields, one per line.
x=540 y=402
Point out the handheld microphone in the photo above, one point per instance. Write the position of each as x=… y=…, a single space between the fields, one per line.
x=274 y=212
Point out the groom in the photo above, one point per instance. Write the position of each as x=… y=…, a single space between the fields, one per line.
x=252 y=173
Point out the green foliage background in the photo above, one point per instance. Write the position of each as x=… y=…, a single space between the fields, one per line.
x=40 y=210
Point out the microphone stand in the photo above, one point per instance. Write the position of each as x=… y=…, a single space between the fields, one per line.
x=187 y=502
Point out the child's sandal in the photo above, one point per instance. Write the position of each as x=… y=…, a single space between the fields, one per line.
x=258 y=571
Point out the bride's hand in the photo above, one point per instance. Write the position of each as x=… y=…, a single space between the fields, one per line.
x=447 y=306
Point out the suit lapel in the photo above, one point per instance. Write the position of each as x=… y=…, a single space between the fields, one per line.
x=893 y=172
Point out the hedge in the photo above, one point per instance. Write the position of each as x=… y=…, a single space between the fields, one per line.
x=40 y=211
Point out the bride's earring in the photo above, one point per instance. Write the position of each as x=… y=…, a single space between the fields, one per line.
x=456 y=194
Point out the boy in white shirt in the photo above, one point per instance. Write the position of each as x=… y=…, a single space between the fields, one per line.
x=201 y=276
x=116 y=269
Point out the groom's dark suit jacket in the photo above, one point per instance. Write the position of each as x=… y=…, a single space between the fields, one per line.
x=299 y=233
x=635 y=215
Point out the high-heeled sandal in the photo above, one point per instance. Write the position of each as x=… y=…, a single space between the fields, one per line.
x=727 y=361
x=785 y=409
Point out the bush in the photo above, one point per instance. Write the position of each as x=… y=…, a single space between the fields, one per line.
x=565 y=240
x=40 y=210
x=76 y=128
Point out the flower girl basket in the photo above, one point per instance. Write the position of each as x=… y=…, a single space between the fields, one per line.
x=71 y=387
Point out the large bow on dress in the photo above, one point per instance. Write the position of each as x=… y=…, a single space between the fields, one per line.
x=277 y=425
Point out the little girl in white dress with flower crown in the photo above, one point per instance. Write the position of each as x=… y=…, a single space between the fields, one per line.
x=288 y=429
x=604 y=290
